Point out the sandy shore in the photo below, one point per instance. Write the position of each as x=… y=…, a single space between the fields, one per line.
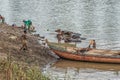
x=35 y=55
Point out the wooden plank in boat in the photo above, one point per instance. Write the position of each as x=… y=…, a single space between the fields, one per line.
x=62 y=44
x=102 y=52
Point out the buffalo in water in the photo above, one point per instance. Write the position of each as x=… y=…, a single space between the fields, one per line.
x=69 y=36
x=69 y=33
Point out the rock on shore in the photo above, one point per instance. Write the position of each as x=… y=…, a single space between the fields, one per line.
x=10 y=44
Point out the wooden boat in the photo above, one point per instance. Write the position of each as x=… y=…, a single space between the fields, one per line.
x=86 y=54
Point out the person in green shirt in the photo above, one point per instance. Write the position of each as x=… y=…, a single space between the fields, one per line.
x=29 y=24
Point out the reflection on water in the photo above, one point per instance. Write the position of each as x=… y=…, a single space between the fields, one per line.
x=73 y=70
x=80 y=65
x=94 y=19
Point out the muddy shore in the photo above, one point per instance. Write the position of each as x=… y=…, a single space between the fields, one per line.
x=10 y=44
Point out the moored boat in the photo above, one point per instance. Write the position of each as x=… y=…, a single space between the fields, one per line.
x=86 y=54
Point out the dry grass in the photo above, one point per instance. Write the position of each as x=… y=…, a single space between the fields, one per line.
x=11 y=70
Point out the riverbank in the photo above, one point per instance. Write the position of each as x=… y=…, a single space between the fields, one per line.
x=10 y=44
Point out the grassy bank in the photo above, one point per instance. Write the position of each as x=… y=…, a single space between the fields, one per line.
x=12 y=70
x=21 y=65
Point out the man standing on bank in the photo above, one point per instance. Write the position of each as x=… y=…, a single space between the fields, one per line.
x=24 y=41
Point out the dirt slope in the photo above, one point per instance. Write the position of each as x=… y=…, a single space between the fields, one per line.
x=10 y=44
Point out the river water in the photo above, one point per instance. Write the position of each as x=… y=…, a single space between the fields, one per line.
x=73 y=70
x=94 y=19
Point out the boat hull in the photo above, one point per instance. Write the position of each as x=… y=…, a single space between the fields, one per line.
x=84 y=57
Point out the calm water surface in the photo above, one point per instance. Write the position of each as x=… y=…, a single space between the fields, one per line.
x=94 y=19
x=73 y=70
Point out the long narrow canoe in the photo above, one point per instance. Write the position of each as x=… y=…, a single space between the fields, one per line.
x=85 y=54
